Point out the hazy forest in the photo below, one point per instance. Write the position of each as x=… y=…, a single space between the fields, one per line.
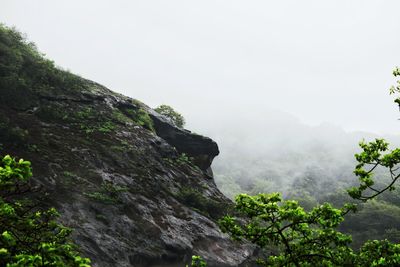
x=171 y=135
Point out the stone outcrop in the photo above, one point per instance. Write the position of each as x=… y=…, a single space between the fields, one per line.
x=202 y=149
x=113 y=168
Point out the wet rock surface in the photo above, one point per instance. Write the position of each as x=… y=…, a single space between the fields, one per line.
x=201 y=148
x=117 y=177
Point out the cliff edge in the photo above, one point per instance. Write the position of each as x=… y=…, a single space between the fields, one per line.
x=136 y=190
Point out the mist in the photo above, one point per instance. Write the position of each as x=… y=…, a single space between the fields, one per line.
x=277 y=152
x=286 y=88
x=323 y=62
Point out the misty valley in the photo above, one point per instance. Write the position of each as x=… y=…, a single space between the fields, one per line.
x=312 y=165
x=206 y=169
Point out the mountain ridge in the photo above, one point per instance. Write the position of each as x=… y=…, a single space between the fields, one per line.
x=137 y=190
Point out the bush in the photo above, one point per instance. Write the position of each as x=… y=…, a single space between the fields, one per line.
x=109 y=193
x=170 y=113
x=197 y=261
x=196 y=200
x=24 y=70
x=30 y=236
x=142 y=118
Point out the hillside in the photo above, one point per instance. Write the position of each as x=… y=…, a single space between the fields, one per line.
x=137 y=190
x=312 y=164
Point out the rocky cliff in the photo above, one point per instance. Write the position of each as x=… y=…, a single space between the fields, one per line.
x=136 y=190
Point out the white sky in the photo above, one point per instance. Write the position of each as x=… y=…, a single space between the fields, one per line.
x=322 y=61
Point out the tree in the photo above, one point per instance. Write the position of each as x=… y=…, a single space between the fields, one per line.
x=170 y=113
x=295 y=237
x=300 y=238
x=29 y=235
x=374 y=155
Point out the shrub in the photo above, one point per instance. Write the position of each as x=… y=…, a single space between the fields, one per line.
x=170 y=113
x=30 y=236
x=196 y=200
x=108 y=194
x=197 y=261
x=142 y=118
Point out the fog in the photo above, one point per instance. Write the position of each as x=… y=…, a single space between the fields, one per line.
x=323 y=61
x=282 y=86
x=277 y=152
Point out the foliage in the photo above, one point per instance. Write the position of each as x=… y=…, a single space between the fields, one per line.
x=197 y=261
x=105 y=127
x=142 y=118
x=170 y=113
x=379 y=253
x=85 y=114
x=108 y=194
x=24 y=69
x=396 y=88
x=120 y=117
x=302 y=238
x=374 y=220
x=30 y=236
x=193 y=198
x=184 y=159
x=375 y=154
x=90 y=121
x=10 y=132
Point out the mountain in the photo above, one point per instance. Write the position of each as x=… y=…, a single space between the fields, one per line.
x=276 y=152
x=137 y=190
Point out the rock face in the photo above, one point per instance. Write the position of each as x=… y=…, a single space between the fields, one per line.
x=202 y=149
x=112 y=166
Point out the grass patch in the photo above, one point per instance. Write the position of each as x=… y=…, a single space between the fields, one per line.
x=142 y=118
x=120 y=117
x=192 y=198
x=108 y=193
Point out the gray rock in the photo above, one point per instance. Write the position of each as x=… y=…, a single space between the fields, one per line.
x=116 y=182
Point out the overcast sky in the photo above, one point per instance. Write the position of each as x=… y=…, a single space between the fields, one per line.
x=322 y=61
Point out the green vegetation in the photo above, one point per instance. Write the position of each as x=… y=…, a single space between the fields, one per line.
x=30 y=236
x=24 y=70
x=395 y=89
x=107 y=127
x=375 y=154
x=142 y=118
x=101 y=217
x=120 y=117
x=108 y=194
x=170 y=113
x=195 y=199
x=90 y=121
x=11 y=132
x=197 y=261
x=33 y=148
x=322 y=175
x=184 y=159
x=123 y=146
x=300 y=232
x=300 y=238
x=85 y=114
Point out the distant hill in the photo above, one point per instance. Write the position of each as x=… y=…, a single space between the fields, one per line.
x=275 y=152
